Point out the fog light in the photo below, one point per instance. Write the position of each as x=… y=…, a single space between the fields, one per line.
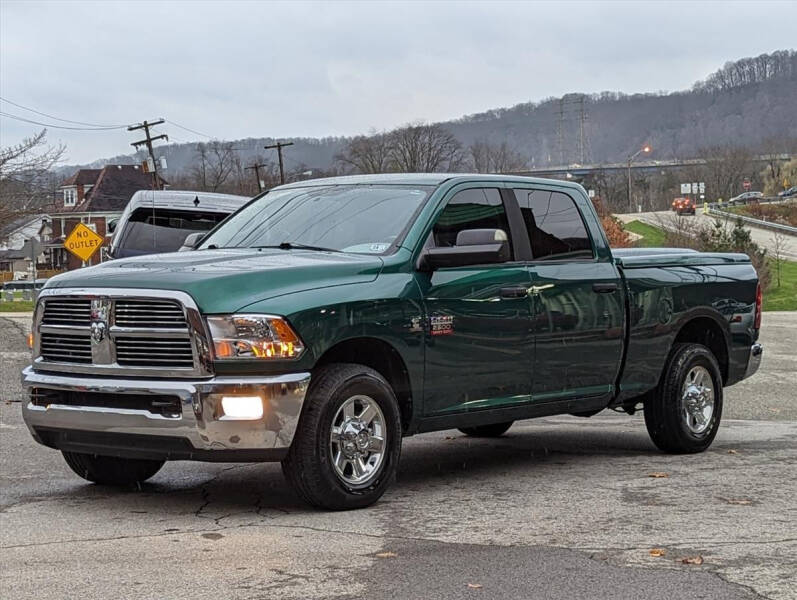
x=247 y=408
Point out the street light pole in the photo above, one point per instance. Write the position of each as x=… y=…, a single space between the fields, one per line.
x=631 y=158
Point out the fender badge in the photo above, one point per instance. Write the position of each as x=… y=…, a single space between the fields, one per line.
x=442 y=325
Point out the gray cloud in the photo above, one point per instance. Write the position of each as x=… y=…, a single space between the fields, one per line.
x=271 y=69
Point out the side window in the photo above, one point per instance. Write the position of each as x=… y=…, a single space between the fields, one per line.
x=477 y=208
x=556 y=229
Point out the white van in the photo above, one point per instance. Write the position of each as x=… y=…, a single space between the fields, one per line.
x=159 y=221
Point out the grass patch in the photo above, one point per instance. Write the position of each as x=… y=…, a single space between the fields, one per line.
x=17 y=306
x=785 y=296
x=652 y=237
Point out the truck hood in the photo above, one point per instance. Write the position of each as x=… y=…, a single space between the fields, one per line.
x=226 y=280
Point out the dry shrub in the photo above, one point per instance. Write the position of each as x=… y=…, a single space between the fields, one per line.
x=719 y=238
x=785 y=213
x=618 y=237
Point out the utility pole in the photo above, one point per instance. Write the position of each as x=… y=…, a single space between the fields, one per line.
x=646 y=149
x=156 y=181
x=581 y=131
x=560 y=131
x=256 y=168
x=279 y=146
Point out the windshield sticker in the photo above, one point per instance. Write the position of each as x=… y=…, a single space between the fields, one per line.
x=379 y=247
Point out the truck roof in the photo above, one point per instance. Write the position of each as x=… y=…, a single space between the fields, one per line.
x=184 y=199
x=419 y=179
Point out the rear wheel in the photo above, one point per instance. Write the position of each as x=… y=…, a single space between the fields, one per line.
x=348 y=441
x=494 y=430
x=110 y=470
x=685 y=413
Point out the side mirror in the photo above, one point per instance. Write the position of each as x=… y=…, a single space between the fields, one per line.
x=111 y=226
x=192 y=240
x=473 y=247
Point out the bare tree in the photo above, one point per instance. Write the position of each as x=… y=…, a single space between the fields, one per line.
x=216 y=162
x=420 y=148
x=778 y=246
x=489 y=158
x=726 y=168
x=778 y=174
x=26 y=181
x=610 y=187
x=367 y=153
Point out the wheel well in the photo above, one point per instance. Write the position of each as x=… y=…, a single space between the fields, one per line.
x=381 y=357
x=706 y=331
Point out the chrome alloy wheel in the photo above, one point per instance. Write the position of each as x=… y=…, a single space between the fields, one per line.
x=697 y=399
x=357 y=441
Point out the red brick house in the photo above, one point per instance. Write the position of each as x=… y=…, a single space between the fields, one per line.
x=92 y=197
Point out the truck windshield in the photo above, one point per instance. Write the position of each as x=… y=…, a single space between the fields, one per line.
x=354 y=218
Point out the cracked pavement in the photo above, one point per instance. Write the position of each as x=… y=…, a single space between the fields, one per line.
x=560 y=507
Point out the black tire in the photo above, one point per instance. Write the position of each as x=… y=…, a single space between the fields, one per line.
x=110 y=470
x=494 y=430
x=664 y=413
x=309 y=467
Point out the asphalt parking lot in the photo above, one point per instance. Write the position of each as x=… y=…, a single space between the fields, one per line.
x=558 y=508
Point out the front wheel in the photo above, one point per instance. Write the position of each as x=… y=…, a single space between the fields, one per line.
x=348 y=441
x=684 y=414
x=110 y=470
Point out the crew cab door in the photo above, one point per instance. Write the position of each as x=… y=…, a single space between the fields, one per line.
x=577 y=302
x=479 y=345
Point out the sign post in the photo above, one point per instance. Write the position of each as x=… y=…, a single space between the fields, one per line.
x=83 y=242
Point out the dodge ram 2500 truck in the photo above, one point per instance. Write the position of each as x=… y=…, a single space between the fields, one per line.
x=327 y=319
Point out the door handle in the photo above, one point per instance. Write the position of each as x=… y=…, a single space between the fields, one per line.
x=514 y=292
x=604 y=288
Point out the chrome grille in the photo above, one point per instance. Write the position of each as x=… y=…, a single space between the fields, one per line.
x=145 y=351
x=148 y=313
x=62 y=347
x=126 y=332
x=67 y=311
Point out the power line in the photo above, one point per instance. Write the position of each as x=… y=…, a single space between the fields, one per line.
x=51 y=125
x=38 y=112
x=210 y=137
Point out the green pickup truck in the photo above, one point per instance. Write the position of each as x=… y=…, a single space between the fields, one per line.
x=325 y=320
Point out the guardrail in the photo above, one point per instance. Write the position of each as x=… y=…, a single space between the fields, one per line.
x=787 y=229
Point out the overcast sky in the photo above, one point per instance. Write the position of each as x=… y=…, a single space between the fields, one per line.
x=255 y=69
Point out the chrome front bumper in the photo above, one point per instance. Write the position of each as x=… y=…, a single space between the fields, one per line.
x=197 y=432
x=756 y=354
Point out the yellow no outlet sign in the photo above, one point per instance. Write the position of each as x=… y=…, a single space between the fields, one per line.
x=83 y=242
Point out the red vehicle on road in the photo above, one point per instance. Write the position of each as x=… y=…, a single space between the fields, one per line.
x=684 y=206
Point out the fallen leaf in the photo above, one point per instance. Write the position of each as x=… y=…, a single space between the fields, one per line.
x=732 y=452
x=475 y=586
x=743 y=501
x=693 y=560
x=386 y=555
x=658 y=552
x=658 y=475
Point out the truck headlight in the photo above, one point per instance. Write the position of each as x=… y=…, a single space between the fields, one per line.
x=253 y=336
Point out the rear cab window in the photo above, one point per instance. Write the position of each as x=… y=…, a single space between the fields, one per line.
x=555 y=227
x=164 y=230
